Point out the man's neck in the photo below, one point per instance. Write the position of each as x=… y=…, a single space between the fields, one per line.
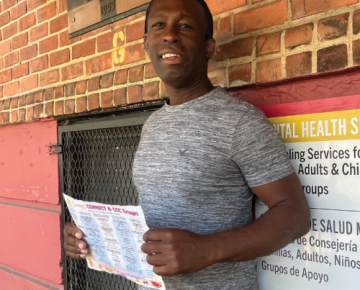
x=179 y=96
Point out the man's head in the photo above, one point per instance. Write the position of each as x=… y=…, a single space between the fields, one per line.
x=208 y=16
x=179 y=40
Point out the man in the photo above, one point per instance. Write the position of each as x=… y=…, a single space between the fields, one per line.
x=198 y=164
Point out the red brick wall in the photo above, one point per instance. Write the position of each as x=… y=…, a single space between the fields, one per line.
x=43 y=73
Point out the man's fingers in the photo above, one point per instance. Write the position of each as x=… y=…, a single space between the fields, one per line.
x=151 y=247
x=75 y=250
x=156 y=260
x=154 y=235
x=76 y=256
x=75 y=243
x=73 y=230
x=162 y=271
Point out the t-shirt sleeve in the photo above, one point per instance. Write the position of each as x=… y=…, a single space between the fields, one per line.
x=258 y=150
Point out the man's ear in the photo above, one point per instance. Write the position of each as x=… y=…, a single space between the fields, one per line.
x=210 y=48
x=146 y=46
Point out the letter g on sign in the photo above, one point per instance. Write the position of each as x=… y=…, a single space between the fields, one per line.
x=118 y=52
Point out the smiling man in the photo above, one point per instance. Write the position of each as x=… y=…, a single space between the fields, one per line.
x=199 y=163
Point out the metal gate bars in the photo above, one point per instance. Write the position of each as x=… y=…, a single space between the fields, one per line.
x=96 y=165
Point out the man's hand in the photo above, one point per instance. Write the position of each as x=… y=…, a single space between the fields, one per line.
x=174 y=251
x=74 y=246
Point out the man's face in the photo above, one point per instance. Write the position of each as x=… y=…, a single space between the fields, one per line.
x=176 y=43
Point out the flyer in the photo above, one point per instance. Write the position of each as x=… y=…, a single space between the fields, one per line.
x=322 y=139
x=114 y=234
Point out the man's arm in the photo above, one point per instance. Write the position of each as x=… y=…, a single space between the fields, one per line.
x=173 y=251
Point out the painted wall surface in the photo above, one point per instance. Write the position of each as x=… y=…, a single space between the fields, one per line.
x=30 y=240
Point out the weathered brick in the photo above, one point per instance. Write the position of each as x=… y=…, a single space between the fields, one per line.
x=35 y=3
x=269 y=70
x=268 y=44
x=5 y=47
x=39 y=64
x=218 y=6
x=106 y=99
x=28 y=52
x=59 y=108
x=1 y=64
x=262 y=17
x=29 y=83
x=135 y=31
x=27 y=21
x=72 y=71
x=151 y=91
x=69 y=90
x=49 y=94
x=96 y=31
x=136 y=73
x=81 y=105
x=39 y=96
x=235 y=49
x=59 y=92
x=99 y=63
x=50 y=77
x=22 y=115
x=46 y=12
x=8 y=4
x=29 y=113
x=356 y=22
x=14 y=103
x=224 y=32
x=302 y=8
x=239 y=74
x=80 y=87
x=150 y=71
x=120 y=97
x=356 y=52
x=105 y=41
x=14 y=116
x=9 y=30
x=22 y=101
x=133 y=54
x=48 y=44
x=106 y=81
x=94 y=84
x=18 y=10
x=1 y=114
x=58 y=23
x=299 y=35
x=83 y=49
x=19 y=41
x=298 y=64
x=135 y=94
x=6 y=104
x=333 y=27
x=332 y=58
x=70 y=106
x=120 y=77
x=59 y=57
x=62 y=5
x=38 y=32
x=38 y=111
x=93 y=102
x=6 y=117
x=5 y=76
x=11 y=89
x=65 y=40
x=4 y=18
x=30 y=99
x=11 y=59
x=20 y=70
x=49 y=109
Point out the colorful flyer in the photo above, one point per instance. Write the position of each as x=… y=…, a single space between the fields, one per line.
x=322 y=139
x=115 y=235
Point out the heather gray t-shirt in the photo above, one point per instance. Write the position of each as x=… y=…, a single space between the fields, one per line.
x=194 y=168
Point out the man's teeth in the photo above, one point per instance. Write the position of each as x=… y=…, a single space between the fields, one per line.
x=170 y=55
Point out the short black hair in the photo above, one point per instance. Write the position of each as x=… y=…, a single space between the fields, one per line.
x=208 y=16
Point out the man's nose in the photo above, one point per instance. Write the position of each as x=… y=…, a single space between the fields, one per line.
x=171 y=35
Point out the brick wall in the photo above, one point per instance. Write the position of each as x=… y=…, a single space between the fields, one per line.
x=43 y=73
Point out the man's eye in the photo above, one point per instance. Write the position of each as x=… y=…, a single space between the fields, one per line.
x=185 y=26
x=159 y=24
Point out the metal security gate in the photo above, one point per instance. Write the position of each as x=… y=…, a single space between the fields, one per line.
x=95 y=165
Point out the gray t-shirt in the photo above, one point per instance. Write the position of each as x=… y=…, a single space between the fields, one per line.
x=194 y=168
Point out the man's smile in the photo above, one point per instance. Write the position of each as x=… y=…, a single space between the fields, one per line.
x=171 y=58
